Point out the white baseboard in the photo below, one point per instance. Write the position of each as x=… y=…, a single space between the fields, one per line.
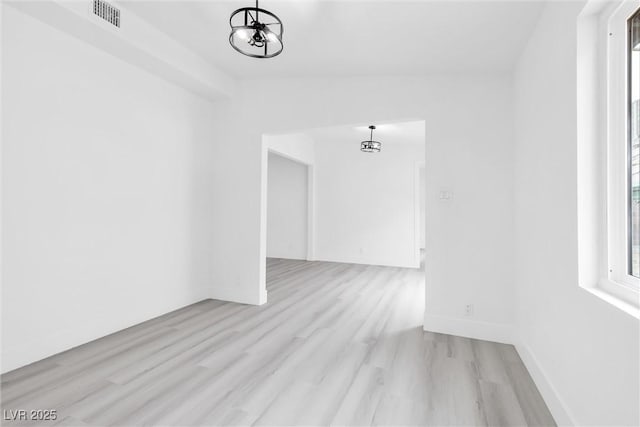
x=505 y=334
x=354 y=260
x=558 y=409
x=286 y=256
x=232 y=295
x=34 y=349
x=487 y=331
x=368 y=261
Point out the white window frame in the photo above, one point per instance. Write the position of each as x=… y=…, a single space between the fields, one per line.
x=618 y=282
x=602 y=154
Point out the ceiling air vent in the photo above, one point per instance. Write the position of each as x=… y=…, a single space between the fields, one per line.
x=107 y=12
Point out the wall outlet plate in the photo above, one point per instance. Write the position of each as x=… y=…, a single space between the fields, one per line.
x=468 y=310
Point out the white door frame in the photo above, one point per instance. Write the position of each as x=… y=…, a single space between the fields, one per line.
x=417 y=167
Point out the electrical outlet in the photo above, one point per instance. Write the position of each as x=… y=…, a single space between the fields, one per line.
x=445 y=195
x=468 y=310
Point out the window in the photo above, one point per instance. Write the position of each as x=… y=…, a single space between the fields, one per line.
x=633 y=179
x=621 y=279
x=608 y=131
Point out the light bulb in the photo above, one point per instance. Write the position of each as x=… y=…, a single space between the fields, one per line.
x=242 y=34
x=272 y=37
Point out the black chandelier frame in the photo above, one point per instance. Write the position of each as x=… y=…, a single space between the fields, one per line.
x=371 y=146
x=260 y=34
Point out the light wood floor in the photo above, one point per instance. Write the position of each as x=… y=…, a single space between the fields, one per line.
x=336 y=344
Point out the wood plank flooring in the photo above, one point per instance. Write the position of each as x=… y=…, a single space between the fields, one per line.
x=337 y=344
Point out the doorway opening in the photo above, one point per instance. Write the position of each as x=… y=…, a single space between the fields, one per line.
x=287 y=208
x=362 y=208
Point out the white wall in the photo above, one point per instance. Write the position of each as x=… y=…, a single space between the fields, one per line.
x=287 y=208
x=469 y=253
x=582 y=352
x=107 y=202
x=366 y=204
x=348 y=222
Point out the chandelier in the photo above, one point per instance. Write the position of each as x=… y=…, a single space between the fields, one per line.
x=371 y=146
x=256 y=32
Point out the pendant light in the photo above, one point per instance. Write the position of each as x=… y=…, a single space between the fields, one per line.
x=256 y=32
x=371 y=146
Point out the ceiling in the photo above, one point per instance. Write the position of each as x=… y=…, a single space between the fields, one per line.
x=351 y=37
x=411 y=132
